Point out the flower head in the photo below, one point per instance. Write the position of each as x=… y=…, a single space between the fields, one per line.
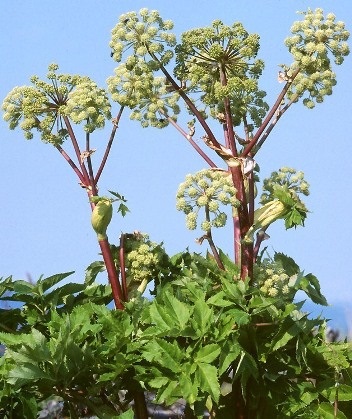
x=207 y=189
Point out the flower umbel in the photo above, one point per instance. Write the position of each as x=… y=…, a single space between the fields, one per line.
x=44 y=105
x=316 y=40
x=206 y=189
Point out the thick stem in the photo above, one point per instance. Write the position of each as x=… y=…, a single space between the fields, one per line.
x=122 y=267
x=140 y=405
x=230 y=133
x=112 y=273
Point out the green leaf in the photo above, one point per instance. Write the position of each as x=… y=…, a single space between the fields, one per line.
x=27 y=372
x=160 y=317
x=326 y=411
x=165 y=394
x=229 y=353
x=220 y=300
x=93 y=270
x=177 y=310
x=208 y=353
x=208 y=379
x=49 y=282
x=23 y=287
x=202 y=318
x=166 y=354
x=129 y=414
x=290 y=266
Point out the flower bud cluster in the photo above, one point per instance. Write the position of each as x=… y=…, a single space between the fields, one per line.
x=315 y=39
x=206 y=189
x=134 y=84
x=87 y=102
x=146 y=94
x=273 y=281
x=285 y=178
x=143 y=258
x=146 y=33
x=220 y=61
x=42 y=106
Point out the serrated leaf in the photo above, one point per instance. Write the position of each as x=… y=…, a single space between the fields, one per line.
x=166 y=354
x=123 y=209
x=165 y=395
x=229 y=353
x=177 y=310
x=326 y=411
x=290 y=266
x=344 y=393
x=240 y=317
x=207 y=353
x=49 y=282
x=158 y=382
x=284 y=335
x=202 y=317
x=23 y=287
x=160 y=317
x=28 y=372
x=219 y=300
x=208 y=380
x=93 y=270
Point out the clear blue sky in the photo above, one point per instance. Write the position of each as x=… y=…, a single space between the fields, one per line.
x=45 y=216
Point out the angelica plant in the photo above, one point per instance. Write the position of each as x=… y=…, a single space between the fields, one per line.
x=52 y=108
x=224 y=334
x=215 y=71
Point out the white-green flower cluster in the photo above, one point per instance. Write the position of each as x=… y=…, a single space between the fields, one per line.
x=88 y=103
x=206 y=189
x=315 y=39
x=147 y=40
x=273 y=281
x=219 y=61
x=41 y=107
x=287 y=179
x=142 y=258
x=143 y=92
x=142 y=34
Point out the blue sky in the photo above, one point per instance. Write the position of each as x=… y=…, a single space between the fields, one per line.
x=45 y=218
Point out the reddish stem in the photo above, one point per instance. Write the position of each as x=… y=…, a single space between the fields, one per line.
x=77 y=149
x=109 y=145
x=269 y=116
x=192 y=142
x=188 y=102
x=71 y=163
x=112 y=273
x=123 y=267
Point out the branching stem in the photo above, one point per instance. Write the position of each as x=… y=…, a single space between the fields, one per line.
x=109 y=145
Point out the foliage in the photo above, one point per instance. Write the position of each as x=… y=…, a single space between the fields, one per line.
x=227 y=336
